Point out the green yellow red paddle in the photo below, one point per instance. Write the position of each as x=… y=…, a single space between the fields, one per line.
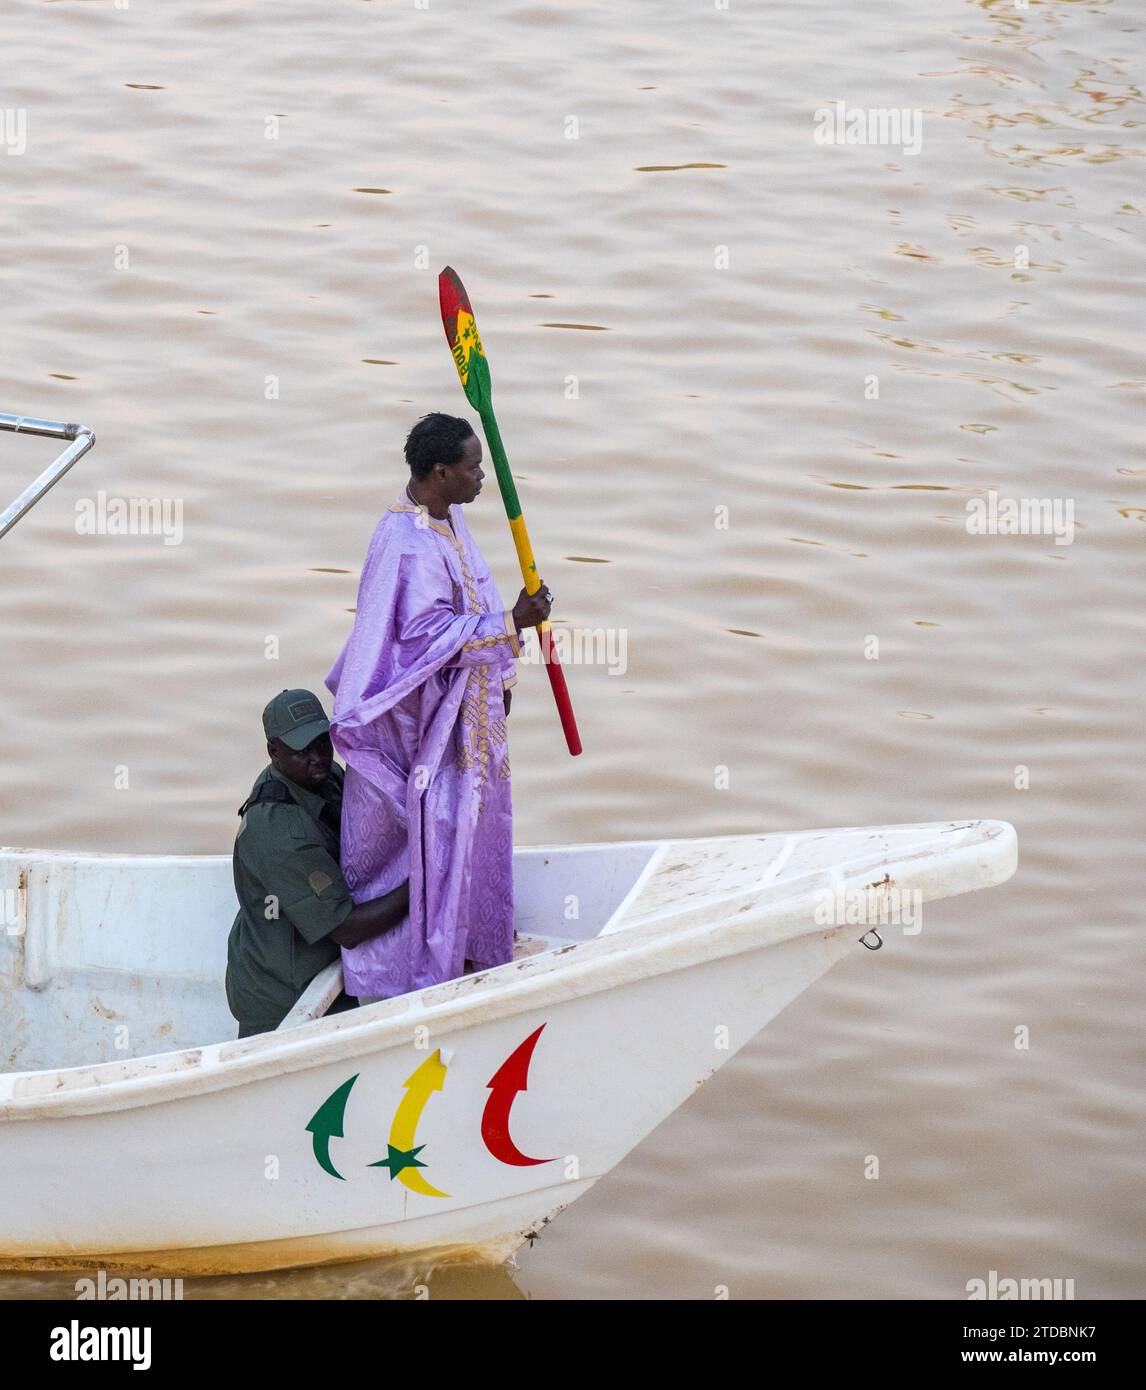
x=473 y=369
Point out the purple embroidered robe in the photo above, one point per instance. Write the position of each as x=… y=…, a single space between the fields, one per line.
x=419 y=720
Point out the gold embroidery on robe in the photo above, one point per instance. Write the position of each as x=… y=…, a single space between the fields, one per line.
x=478 y=735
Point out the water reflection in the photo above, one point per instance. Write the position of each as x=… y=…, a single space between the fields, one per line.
x=392 y=1280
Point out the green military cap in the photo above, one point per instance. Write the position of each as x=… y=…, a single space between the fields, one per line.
x=295 y=716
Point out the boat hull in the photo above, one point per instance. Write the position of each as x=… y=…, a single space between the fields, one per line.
x=224 y=1182
x=458 y=1121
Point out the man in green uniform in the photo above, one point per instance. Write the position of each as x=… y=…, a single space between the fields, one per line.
x=295 y=911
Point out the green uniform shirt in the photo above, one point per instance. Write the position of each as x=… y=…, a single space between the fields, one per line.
x=291 y=897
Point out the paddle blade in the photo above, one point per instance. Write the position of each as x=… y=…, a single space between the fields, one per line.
x=465 y=343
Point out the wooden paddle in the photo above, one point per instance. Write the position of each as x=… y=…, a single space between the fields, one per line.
x=473 y=369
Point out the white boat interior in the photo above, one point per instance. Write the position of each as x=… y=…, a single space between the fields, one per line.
x=109 y=958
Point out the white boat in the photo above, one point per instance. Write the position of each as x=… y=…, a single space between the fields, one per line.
x=137 y=1133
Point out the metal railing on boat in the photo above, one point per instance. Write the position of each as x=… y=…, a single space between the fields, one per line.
x=80 y=439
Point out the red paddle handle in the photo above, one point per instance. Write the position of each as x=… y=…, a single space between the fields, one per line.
x=560 y=689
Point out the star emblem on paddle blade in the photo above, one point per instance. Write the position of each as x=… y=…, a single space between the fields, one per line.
x=397 y=1160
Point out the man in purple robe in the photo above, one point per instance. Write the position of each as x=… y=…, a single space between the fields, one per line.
x=421 y=697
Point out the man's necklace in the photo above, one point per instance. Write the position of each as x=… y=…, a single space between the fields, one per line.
x=423 y=508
